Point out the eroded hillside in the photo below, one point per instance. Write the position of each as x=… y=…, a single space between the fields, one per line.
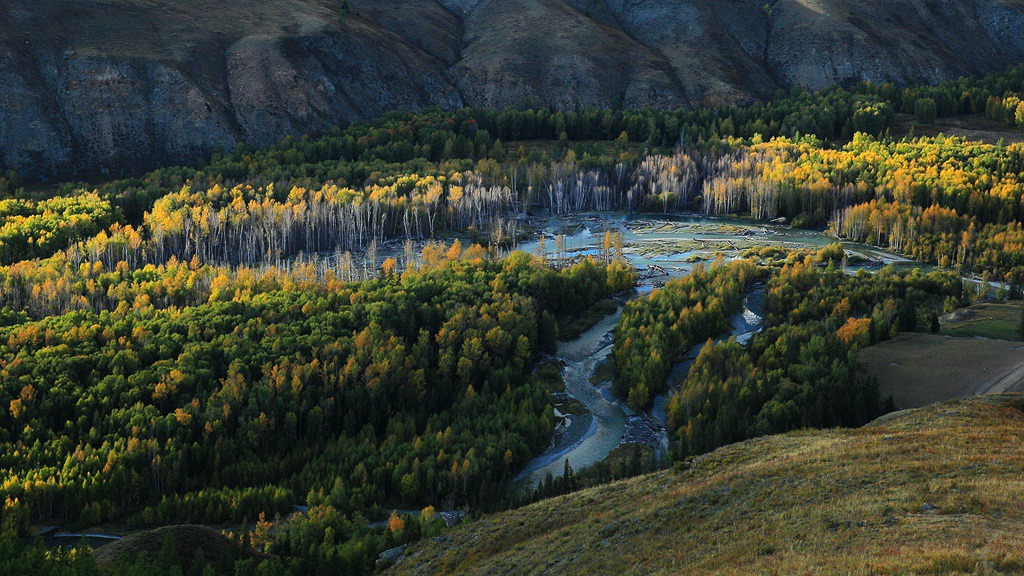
x=118 y=86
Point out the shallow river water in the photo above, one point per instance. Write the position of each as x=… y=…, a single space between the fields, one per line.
x=603 y=432
x=677 y=243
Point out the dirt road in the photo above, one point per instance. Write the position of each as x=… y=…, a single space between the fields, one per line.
x=920 y=369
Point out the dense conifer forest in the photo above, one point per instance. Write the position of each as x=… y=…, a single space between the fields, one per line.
x=801 y=371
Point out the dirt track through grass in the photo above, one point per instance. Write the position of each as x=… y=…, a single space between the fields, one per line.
x=973 y=127
x=920 y=369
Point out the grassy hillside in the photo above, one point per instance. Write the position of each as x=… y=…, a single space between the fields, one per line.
x=935 y=490
x=998 y=320
x=183 y=545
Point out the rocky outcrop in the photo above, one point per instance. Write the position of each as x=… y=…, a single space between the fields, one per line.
x=716 y=49
x=546 y=52
x=110 y=87
x=108 y=98
x=296 y=85
x=818 y=43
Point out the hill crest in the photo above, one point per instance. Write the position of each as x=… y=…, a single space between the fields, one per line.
x=933 y=490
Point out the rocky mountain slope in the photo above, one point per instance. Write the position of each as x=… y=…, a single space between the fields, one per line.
x=94 y=87
x=931 y=491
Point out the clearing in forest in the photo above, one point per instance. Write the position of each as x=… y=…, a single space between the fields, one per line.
x=919 y=369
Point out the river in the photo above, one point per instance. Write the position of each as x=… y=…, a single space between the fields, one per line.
x=661 y=248
x=676 y=243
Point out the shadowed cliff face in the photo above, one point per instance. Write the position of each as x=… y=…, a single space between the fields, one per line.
x=547 y=52
x=818 y=43
x=109 y=87
x=119 y=86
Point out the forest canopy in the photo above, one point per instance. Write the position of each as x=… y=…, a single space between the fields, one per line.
x=250 y=395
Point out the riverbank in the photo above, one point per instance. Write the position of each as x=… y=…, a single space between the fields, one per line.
x=661 y=247
x=582 y=443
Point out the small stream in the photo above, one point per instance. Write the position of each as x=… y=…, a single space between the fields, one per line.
x=596 y=436
x=588 y=439
x=745 y=324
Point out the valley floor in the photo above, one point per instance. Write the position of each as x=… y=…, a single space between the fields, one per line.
x=919 y=369
x=975 y=352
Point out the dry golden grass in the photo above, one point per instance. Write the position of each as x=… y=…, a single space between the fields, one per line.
x=937 y=490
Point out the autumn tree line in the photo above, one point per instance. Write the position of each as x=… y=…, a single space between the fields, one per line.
x=30 y=229
x=185 y=393
x=799 y=371
x=942 y=200
x=423 y=175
